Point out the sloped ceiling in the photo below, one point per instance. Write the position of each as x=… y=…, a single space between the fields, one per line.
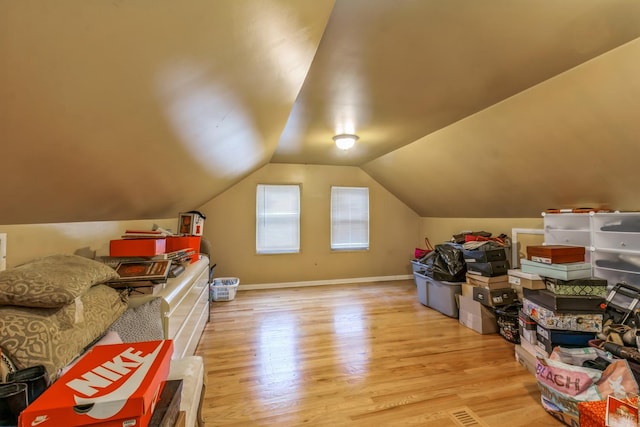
x=134 y=110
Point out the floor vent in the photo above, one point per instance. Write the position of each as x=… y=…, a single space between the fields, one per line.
x=465 y=417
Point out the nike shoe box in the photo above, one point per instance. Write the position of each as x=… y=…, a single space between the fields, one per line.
x=111 y=385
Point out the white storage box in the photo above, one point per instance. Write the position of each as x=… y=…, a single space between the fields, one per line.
x=224 y=288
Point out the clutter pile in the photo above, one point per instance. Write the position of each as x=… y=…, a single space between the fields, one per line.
x=467 y=278
x=583 y=349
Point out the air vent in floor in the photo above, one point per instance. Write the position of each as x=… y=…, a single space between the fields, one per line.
x=465 y=417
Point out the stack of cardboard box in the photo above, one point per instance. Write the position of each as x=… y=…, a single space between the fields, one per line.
x=566 y=303
x=486 y=287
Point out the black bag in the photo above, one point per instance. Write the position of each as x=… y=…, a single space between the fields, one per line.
x=446 y=263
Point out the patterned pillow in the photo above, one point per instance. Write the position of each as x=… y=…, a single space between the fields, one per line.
x=52 y=281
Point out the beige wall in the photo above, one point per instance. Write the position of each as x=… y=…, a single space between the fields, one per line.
x=231 y=229
x=29 y=241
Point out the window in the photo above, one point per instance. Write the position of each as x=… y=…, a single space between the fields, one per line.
x=349 y=218
x=278 y=219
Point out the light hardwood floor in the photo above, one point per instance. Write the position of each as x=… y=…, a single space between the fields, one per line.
x=358 y=355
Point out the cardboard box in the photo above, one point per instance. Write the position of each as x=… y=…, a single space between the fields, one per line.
x=137 y=247
x=568 y=271
x=555 y=254
x=549 y=338
x=566 y=303
x=191 y=224
x=589 y=286
x=494 y=297
x=518 y=279
x=587 y=322
x=497 y=282
x=167 y=410
x=476 y=316
x=111 y=385
x=526 y=359
x=467 y=290
x=533 y=349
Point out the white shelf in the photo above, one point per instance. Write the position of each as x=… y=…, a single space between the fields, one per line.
x=616 y=249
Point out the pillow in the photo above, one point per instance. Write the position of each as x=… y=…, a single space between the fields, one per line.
x=141 y=323
x=52 y=281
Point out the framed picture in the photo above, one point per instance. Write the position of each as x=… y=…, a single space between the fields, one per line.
x=190 y=223
x=133 y=271
x=620 y=413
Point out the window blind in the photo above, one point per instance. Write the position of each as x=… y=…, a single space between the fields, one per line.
x=349 y=218
x=277 y=219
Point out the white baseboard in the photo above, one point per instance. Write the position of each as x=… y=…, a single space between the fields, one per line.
x=255 y=286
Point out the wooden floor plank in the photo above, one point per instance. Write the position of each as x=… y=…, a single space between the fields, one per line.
x=360 y=355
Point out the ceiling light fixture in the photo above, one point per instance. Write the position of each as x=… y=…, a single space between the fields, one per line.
x=345 y=141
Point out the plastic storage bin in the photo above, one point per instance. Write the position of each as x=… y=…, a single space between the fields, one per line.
x=417 y=266
x=442 y=296
x=421 y=285
x=224 y=288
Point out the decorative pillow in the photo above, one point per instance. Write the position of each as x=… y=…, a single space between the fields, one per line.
x=141 y=323
x=52 y=281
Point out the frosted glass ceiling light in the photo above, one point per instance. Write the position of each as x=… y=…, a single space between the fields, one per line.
x=345 y=141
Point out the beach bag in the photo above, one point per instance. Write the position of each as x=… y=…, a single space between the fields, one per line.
x=564 y=385
x=421 y=253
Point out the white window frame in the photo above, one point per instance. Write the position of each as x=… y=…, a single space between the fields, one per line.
x=277 y=219
x=349 y=218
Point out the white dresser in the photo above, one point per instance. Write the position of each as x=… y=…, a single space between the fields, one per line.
x=184 y=307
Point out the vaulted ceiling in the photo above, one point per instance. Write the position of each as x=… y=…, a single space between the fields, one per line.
x=140 y=109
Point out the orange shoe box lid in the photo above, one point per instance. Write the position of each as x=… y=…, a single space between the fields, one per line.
x=175 y=243
x=137 y=247
x=116 y=384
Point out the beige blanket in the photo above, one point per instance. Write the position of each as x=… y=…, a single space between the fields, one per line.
x=54 y=337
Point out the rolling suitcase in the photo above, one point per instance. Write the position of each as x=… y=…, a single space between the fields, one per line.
x=621 y=303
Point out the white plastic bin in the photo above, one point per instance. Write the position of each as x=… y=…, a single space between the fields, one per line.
x=223 y=288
